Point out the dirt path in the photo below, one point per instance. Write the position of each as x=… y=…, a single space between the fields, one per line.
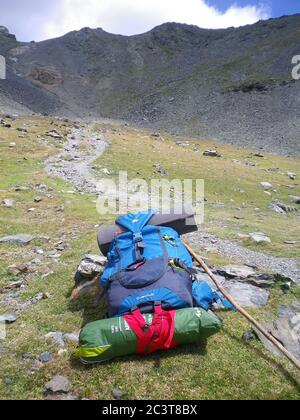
x=73 y=164
x=287 y=267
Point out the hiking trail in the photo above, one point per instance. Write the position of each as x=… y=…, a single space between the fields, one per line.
x=73 y=163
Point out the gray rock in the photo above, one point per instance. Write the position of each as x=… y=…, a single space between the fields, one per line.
x=286 y=208
x=59 y=384
x=19 y=188
x=160 y=169
x=56 y=338
x=232 y=271
x=248 y=336
x=16 y=270
x=26 y=356
x=246 y=295
x=62 y=397
x=262 y=280
x=96 y=259
x=8 y=203
x=54 y=134
x=295 y=199
x=17 y=239
x=285 y=329
x=91 y=266
x=118 y=394
x=291 y=175
x=8 y=318
x=212 y=153
x=266 y=185
x=71 y=338
x=276 y=208
x=46 y=357
x=260 y=238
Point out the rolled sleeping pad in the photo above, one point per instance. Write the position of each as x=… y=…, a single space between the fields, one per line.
x=105 y=340
x=183 y=223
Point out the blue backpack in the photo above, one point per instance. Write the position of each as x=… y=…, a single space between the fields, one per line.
x=146 y=265
x=149 y=265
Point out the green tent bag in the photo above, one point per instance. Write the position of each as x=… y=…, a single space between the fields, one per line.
x=107 y=339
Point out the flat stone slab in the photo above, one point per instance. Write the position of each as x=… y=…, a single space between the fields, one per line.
x=17 y=239
x=246 y=295
x=285 y=329
x=240 y=271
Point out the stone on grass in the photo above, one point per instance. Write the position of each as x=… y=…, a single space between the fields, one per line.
x=58 y=385
x=262 y=280
x=8 y=203
x=266 y=185
x=71 y=338
x=260 y=238
x=46 y=357
x=232 y=271
x=56 y=338
x=8 y=318
x=282 y=208
x=17 y=239
x=212 y=153
x=248 y=336
x=118 y=394
x=91 y=266
x=295 y=199
x=276 y=208
x=54 y=134
x=291 y=175
x=246 y=295
x=285 y=329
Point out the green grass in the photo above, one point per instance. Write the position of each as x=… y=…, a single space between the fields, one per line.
x=225 y=368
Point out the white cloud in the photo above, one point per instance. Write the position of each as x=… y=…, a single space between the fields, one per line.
x=128 y=17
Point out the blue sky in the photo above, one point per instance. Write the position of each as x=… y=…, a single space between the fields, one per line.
x=38 y=20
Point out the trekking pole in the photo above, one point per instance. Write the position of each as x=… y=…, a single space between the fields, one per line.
x=272 y=339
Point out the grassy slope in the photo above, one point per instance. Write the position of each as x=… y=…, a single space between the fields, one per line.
x=228 y=367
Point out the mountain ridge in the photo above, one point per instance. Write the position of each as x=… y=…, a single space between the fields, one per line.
x=233 y=85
